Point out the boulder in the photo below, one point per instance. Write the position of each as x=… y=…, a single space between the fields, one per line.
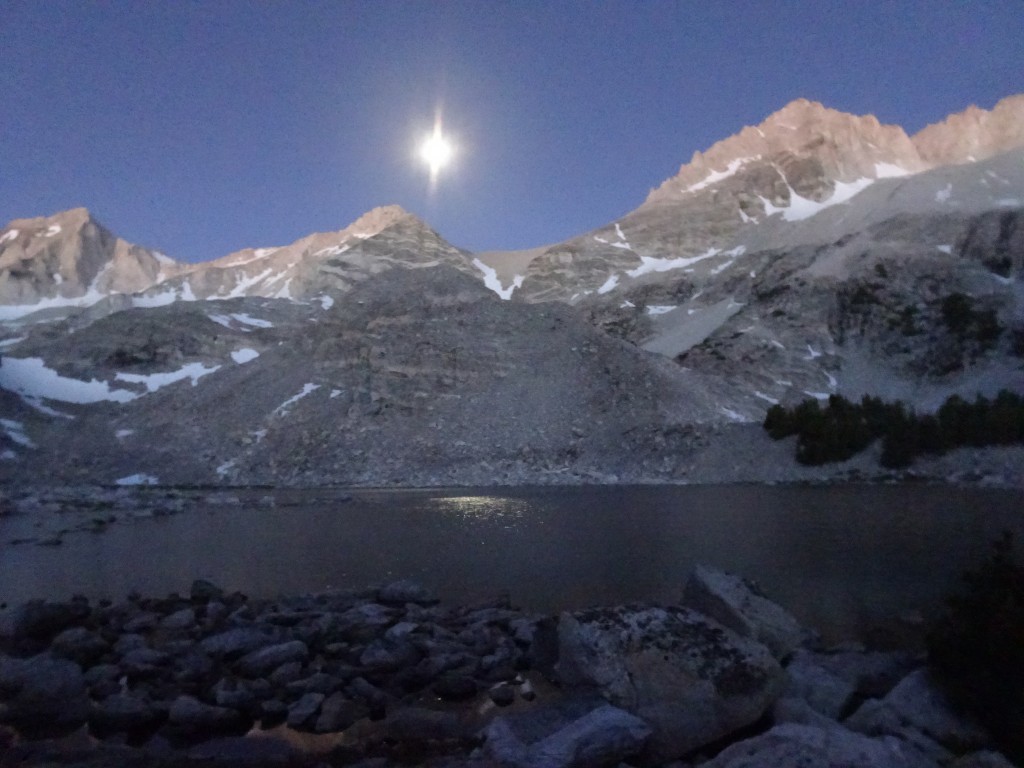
x=190 y=717
x=261 y=662
x=740 y=606
x=338 y=712
x=871 y=673
x=691 y=679
x=603 y=737
x=402 y=592
x=792 y=744
x=80 y=645
x=235 y=642
x=182 y=619
x=38 y=621
x=203 y=591
x=302 y=711
x=42 y=691
x=983 y=759
x=918 y=704
x=123 y=713
x=824 y=691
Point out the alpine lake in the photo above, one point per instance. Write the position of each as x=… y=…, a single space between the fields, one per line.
x=854 y=562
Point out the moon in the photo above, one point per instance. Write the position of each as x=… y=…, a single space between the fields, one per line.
x=436 y=151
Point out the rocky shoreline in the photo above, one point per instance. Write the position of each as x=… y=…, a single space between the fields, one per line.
x=389 y=676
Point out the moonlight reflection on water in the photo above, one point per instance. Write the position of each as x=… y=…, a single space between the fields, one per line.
x=838 y=557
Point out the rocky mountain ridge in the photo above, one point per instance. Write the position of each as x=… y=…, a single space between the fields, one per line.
x=637 y=352
x=39 y=271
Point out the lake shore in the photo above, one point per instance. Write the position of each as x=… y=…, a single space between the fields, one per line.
x=388 y=676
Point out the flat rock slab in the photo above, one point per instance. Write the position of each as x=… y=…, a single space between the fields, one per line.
x=804 y=745
x=737 y=604
x=603 y=737
x=691 y=679
x=918 y=704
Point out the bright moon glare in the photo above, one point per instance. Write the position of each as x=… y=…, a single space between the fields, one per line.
x=436 y=151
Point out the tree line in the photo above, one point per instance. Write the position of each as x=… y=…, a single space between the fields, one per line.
x=842 y=429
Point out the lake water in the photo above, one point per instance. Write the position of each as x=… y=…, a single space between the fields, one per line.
x=840 y=558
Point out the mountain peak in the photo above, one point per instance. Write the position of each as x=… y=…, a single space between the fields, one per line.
x=378 y=219
x=974 y=134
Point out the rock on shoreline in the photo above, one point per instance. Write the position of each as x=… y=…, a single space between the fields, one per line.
x=389 y=676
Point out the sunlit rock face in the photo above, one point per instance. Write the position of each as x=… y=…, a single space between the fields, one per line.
x=748 y=189
x=70 y=260
x=71 y=256
x=974 y=134
x=810 y=147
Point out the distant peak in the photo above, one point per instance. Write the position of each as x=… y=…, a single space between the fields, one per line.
x=974 y=134
x=73 y=218
x=378 y=219
x=840 y=147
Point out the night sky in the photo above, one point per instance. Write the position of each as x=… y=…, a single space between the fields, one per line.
x=203 y=128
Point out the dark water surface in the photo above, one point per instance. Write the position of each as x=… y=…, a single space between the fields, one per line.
x=839 y=558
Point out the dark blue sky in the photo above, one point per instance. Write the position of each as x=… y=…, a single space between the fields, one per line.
x=202 y=128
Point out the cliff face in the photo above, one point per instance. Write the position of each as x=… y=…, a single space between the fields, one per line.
x=71 y=258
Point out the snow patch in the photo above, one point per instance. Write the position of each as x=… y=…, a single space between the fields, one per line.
x=812 y=353
x=8 y=455
x=31 y=378
x=283 y=408
x=261 y=253
x=226 y=467
x=245 y=283
x=889 y=171
x=335 y=393
x=609 y=284
x=767 y=398
x=945 y=248
x=650 y=264
x=8 y=236
x=326 y=302
x=155 y=381
x=818 y=395
x=618 y=231
x=942 y=196
x=626 y=303
x=715 y=176
x=169 y=296
x=16 y=311
x=244 y=355
x=285 y=291
x=53 y=229
x=11 y=342
x=256 y=322
x=334 y=250
x=222 y=320
x=58 y=278
x=1010 y=202
x=121 y=434
x=659 y=309
x=16 y=432
x=801 y=208
x=137 y=479
x=491 y=280
x=733 y=414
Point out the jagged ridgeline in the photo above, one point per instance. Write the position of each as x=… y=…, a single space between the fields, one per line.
x=843 y=429
x=815 y=255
